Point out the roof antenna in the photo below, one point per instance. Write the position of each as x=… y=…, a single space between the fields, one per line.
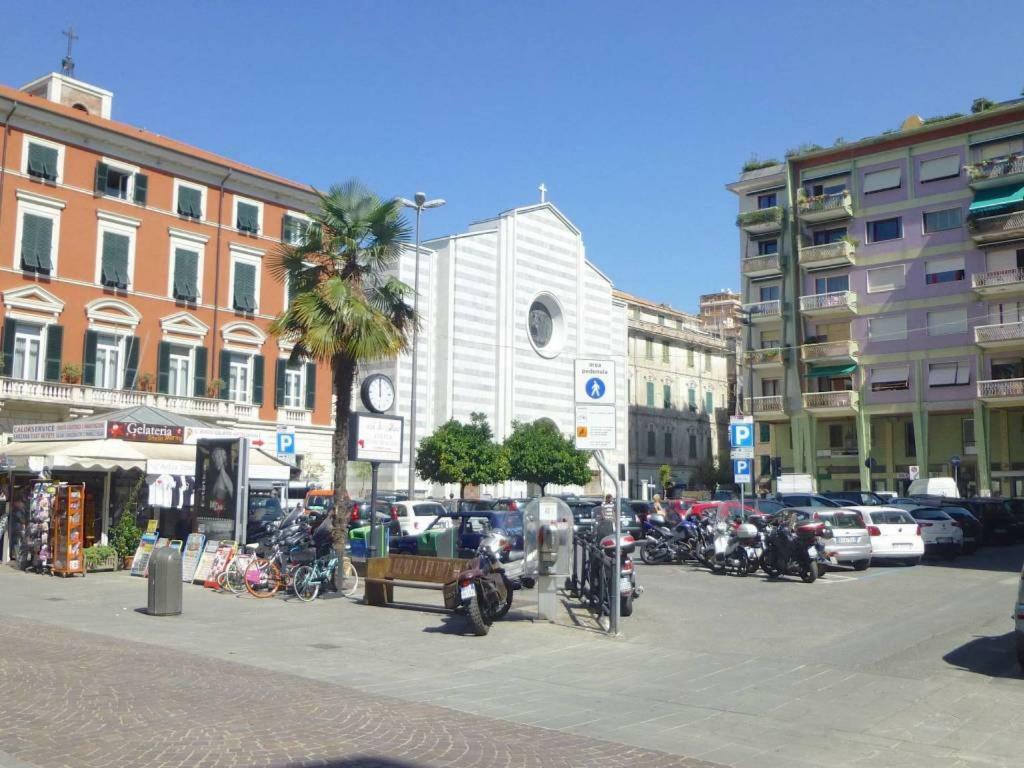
x=68 y=64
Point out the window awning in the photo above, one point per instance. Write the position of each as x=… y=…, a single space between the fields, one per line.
x=829 y=371
x=997 y=197
x=899 y=373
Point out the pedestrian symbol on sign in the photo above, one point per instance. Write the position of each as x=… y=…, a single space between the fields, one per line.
x=595 y=388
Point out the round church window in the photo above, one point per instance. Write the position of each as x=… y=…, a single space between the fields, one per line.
x=540 y=325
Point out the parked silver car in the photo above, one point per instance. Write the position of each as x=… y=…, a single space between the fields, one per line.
x=850 y=543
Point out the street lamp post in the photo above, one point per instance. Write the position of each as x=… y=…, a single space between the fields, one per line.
x=419 y=203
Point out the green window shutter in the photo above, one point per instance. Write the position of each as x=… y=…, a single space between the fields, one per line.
x=288 y=224
x=42 y=162
x=89 y=359
x=225 y=373
x=9 y=329
x=248 y=218
x=310 y=386
x=54 y=351
x=163 y=368
x=186 y=268
x=101 y=178
x=766 y=432
x=693 y=398
x=141 y=190
x=279 y=383
x=709 y=402
x=131 y=368
x=199 y=381
x=190 y=202
x=29 y=237
x=257 y=379
x=245 y=287
x=114 y=266
x=44 y=243
x=650 y=394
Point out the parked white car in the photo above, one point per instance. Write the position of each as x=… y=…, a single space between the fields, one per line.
x=934 y=486
x=1018 y=618
x=895 y=535
x=850 y=543
x=416 y=516
x=941 y=533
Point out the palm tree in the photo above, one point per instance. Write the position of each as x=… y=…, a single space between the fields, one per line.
x=346 y=306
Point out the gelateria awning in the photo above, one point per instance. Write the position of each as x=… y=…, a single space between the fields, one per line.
x=830 y=371
x=997 y=197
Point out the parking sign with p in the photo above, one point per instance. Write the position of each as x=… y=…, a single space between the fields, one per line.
x=741 y=432
x=286 y=441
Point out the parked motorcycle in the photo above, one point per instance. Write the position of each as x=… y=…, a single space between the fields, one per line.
x=732 y=548
x=483 y=590
x=663 y=544
x=629 y=590
x=793 y=548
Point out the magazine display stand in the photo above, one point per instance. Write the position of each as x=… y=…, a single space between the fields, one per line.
x=67 y=517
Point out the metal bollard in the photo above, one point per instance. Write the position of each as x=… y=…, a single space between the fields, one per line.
x=164 y=582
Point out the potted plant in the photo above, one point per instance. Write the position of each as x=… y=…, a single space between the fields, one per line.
x=125 y=536
x=147 y=382
x=70 y=374
x=100 y=557
x=214 y=387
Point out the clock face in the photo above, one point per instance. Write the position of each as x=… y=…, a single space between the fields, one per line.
x=378 y=393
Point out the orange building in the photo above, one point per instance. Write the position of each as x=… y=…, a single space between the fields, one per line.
x=133 y=271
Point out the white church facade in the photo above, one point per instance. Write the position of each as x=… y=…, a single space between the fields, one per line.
x=506 y=308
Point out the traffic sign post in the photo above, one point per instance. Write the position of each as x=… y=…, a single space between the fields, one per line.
x=596 y=416
x=955 y=461
x=286 y=443
x=741 y=451
x=743 y=470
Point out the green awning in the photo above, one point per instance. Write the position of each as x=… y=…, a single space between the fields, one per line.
x=997 y=197
x=829 y=371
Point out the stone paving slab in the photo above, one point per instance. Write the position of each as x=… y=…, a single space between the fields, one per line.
x=71 y=698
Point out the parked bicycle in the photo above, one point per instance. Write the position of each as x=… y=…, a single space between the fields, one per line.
x=308 y=579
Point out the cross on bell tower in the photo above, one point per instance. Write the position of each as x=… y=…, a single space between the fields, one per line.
x=68 y=64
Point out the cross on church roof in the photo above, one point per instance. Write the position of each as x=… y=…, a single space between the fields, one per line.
x=68 y=64
x=543 y=192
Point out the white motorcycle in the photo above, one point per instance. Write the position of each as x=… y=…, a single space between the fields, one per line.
x=731 y=554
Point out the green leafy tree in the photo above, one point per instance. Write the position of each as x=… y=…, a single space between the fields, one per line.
x=665 y=475
x=462 y=453
x=346 y=307
x=539 y=453
x=710 y=475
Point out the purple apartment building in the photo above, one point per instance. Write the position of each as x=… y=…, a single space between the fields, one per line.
x=884 y=284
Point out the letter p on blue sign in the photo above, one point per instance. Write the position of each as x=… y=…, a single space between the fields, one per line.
x=286 y=443
x=741 y=433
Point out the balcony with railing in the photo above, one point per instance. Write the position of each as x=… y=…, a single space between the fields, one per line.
x=1000 y=335
x=834 y=304
x=80 y=396
x=989 y=230
x=993 y=173
x=769 y=357
x=1002 y=282
x=829 y=350
x=768 y=408
x=761 y=221
x=838 y=205
x=1005 y=391
x=762 y=266
x=831 y=402
x=839 y=254
x=764 y=311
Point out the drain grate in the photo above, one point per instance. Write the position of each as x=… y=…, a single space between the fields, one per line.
x=325 y=646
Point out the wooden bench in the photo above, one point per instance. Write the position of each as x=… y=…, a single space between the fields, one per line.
x=383 y=574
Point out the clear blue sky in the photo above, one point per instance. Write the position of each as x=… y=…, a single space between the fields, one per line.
x=635 y=114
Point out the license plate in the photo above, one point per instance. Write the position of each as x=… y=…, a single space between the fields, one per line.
x=468 y=592
x=846 y=540
x=812 y=551
x=901 y=546
x=625 y=585
x=944 y=540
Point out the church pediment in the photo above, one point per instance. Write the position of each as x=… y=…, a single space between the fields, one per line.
x=33 y=300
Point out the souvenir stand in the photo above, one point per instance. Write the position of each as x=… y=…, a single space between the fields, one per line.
x=67 y=524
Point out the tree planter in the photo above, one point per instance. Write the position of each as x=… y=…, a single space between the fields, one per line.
x=104 y=564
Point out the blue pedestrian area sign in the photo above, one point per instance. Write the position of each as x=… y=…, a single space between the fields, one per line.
x=595 y=388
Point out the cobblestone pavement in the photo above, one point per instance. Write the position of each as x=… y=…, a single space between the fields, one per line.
x=70 y=698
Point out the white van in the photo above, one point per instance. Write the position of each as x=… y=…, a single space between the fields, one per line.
x=934 y=486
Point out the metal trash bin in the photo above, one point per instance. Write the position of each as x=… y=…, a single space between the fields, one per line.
x=164 y=582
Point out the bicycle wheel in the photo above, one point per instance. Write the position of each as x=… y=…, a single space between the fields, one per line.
x=222 y=580
x=234 y=575
x=262 y=578
x=305 y=585
x=349 y=578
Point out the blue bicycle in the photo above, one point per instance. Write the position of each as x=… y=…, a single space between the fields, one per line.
x=307 y=579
